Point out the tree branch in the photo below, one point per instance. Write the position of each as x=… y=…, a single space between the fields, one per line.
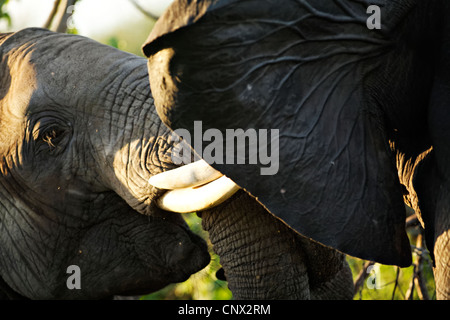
x=412 y=221
x=419 y=280
x=143 y=11
x=397 y=276
x=52 y=14
x=359 y=282
x=410 y=292
x=58 y=17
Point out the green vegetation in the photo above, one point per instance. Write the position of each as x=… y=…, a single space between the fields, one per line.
x=4 y=15
x=394 y=282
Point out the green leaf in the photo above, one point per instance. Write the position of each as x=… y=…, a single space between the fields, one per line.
x=4 y=15
x=8 y=19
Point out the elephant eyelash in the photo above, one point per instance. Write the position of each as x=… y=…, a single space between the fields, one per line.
x=51 y=140
x=48 y=137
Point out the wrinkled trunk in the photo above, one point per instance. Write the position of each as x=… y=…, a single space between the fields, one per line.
x=265 y=259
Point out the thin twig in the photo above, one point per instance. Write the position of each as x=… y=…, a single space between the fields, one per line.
x=412 y=221
x=63 y=15
x=410 y=292
x=419 y=279
x=362 y=276
x=59 y=16
x=396 y=283
x=143 y=11
x=52 y=14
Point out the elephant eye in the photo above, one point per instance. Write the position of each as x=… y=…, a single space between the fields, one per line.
x=51 y=138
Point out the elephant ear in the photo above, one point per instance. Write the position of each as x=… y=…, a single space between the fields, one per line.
x=308 y=73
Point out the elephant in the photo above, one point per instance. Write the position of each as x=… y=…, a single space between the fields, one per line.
x=79 y=139
x=360 y=108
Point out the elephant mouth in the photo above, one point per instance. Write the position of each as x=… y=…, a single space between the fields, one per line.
x=193 y=187
x=182 y=261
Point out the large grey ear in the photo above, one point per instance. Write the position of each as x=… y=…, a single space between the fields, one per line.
x=311 y=70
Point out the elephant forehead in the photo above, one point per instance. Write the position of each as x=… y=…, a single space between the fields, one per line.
x=69 y=72
x=61 y=70
x=80 y=68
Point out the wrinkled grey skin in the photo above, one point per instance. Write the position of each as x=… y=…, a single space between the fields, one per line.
x=79 y=138
x=264 y=259
x=359 y=111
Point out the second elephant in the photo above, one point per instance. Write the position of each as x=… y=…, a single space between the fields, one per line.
x=79 y=138
x=360 y=111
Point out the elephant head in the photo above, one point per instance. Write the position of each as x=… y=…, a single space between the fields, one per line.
x=360 y=109
x=79 y=139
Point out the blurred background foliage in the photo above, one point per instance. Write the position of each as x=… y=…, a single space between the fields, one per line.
x=125 y=24
x=4 y=15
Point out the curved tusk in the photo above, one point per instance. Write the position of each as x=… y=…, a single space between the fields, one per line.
x=196 y=199
x=190 y=175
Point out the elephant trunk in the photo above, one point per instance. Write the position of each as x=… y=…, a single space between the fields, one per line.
x=265 y=259
x=261 y=257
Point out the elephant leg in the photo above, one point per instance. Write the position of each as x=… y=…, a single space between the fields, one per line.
x=329 y=274
x=442 y=251
x=265 y=259
x=442 y=269
x=434 y=210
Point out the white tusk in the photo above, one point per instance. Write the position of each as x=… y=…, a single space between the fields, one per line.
x=190 y=175
x=196 y=199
